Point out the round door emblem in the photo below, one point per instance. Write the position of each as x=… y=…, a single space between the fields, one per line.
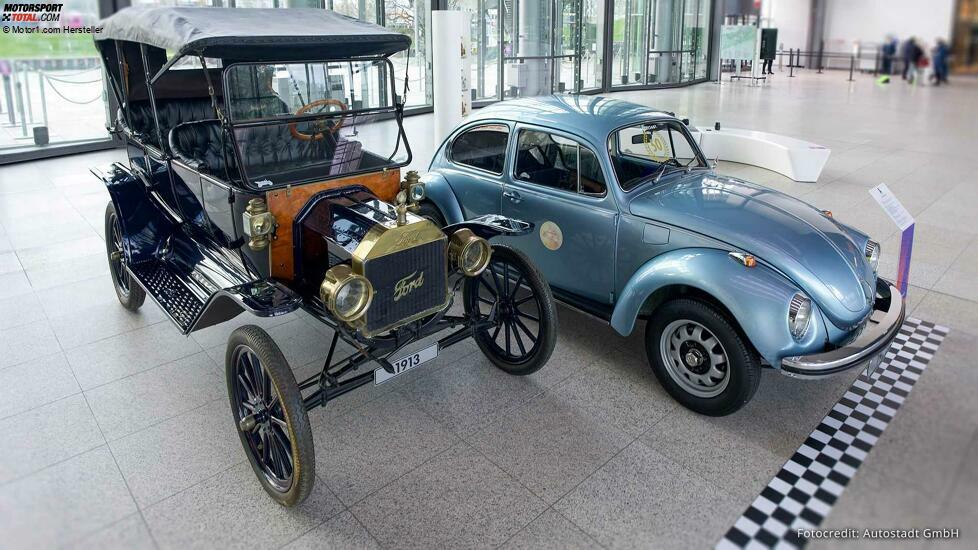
x=551 y=236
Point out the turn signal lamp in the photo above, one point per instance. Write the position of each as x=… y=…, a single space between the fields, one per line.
x=827 y=213
x=746 y=260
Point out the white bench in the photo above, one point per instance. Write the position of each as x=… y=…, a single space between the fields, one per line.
x=794 y=158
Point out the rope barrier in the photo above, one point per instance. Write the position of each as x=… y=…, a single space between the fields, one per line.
x=49 y=77
x=62 y=96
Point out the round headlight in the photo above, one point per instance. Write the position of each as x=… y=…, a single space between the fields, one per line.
x=346 y=294
x=469 y=253
x=873 y=254
x=417 y=192
x=799 y=315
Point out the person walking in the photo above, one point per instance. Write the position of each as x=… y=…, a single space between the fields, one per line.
x=939 y=58
x=916 y=61
x=907 y=54
x=889 y=54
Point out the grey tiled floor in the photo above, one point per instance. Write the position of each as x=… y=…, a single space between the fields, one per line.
x=117 y=434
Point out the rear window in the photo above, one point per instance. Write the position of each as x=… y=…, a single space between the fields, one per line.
x=482 y=147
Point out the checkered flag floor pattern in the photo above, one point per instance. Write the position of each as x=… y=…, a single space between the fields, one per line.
x=802 y=493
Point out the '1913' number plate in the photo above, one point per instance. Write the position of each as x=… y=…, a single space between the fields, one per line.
x=406 y=363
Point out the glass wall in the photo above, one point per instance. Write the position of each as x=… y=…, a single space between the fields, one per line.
x=52 y=88
x=51 y=85
x=410 y=17
x=660 y=42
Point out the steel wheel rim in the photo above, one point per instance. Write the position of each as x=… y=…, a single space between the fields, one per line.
x=518 y=330
x=268 y=441
x=694 y=358
x=117 y=258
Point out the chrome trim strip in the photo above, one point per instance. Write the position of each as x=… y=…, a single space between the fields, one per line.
x=881 y=328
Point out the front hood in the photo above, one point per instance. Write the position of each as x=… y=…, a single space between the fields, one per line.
x=811 y=249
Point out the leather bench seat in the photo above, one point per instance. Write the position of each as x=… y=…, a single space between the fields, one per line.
x=171 y=112
x=266 y=151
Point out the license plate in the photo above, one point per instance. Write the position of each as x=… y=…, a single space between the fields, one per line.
x=874 y=364
x=406 y=363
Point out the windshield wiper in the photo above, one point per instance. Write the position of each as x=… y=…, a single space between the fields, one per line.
x=661 y=171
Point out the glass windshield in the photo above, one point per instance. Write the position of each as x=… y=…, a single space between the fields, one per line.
x=260 y=91
x=644 y=151
x=305 y=122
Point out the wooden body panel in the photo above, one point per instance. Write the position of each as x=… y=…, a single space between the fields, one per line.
x=285 y=204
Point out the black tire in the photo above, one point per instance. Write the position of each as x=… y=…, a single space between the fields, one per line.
x=428 y=210
x=275 y=405
x=696 y=358
x=130 y=294
x=527 y=311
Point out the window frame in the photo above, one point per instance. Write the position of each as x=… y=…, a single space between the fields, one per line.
x=578 y=192
x=450 y=147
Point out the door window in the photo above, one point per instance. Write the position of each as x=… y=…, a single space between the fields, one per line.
x=553 y=161
x=482 y=147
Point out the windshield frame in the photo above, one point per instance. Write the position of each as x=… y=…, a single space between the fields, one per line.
x=674 y=124
x=395 y=111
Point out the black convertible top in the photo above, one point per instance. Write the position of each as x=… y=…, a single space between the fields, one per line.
x=246 y=34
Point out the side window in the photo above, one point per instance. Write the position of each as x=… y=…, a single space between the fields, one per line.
x=557 y=162
x=482 y=147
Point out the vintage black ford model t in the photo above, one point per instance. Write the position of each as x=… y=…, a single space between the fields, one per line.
x=265 y=149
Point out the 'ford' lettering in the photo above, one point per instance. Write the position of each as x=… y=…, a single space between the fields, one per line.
x=407 y=284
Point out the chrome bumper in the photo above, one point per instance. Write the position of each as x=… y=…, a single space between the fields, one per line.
x=883 y=325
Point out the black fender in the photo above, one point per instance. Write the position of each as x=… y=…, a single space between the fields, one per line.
x=145 y=225
x=264 y=298
x=492 y=225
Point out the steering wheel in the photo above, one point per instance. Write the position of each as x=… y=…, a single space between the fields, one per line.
x=320 y=127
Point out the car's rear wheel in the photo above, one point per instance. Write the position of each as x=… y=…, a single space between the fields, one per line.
x=700 y=358
x=515 y=304
x=270 y=416
x=130 y=294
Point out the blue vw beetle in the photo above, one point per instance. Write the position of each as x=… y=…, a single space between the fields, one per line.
x=631 y=221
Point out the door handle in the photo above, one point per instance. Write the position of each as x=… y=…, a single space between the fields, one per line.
x=513 y=196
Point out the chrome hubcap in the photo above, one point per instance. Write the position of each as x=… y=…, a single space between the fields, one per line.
x=694 y=358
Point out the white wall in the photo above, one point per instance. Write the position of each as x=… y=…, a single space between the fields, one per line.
x=790 y=17
x=865 y=21
x=869 y=21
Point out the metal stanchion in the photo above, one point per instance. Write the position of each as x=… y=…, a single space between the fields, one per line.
x=821 y=49
x=876 y=65
x=9 y=94
x=27 y=93
x=791 y=65
x=852 y=65
x=20 y=108
x=44 y=101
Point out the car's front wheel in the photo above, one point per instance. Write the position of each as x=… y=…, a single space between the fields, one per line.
x=268 y=410
x=700 y=358
x=515 y=308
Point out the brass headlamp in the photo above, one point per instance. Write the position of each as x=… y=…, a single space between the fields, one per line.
x=468 y=252
x=346 y=294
